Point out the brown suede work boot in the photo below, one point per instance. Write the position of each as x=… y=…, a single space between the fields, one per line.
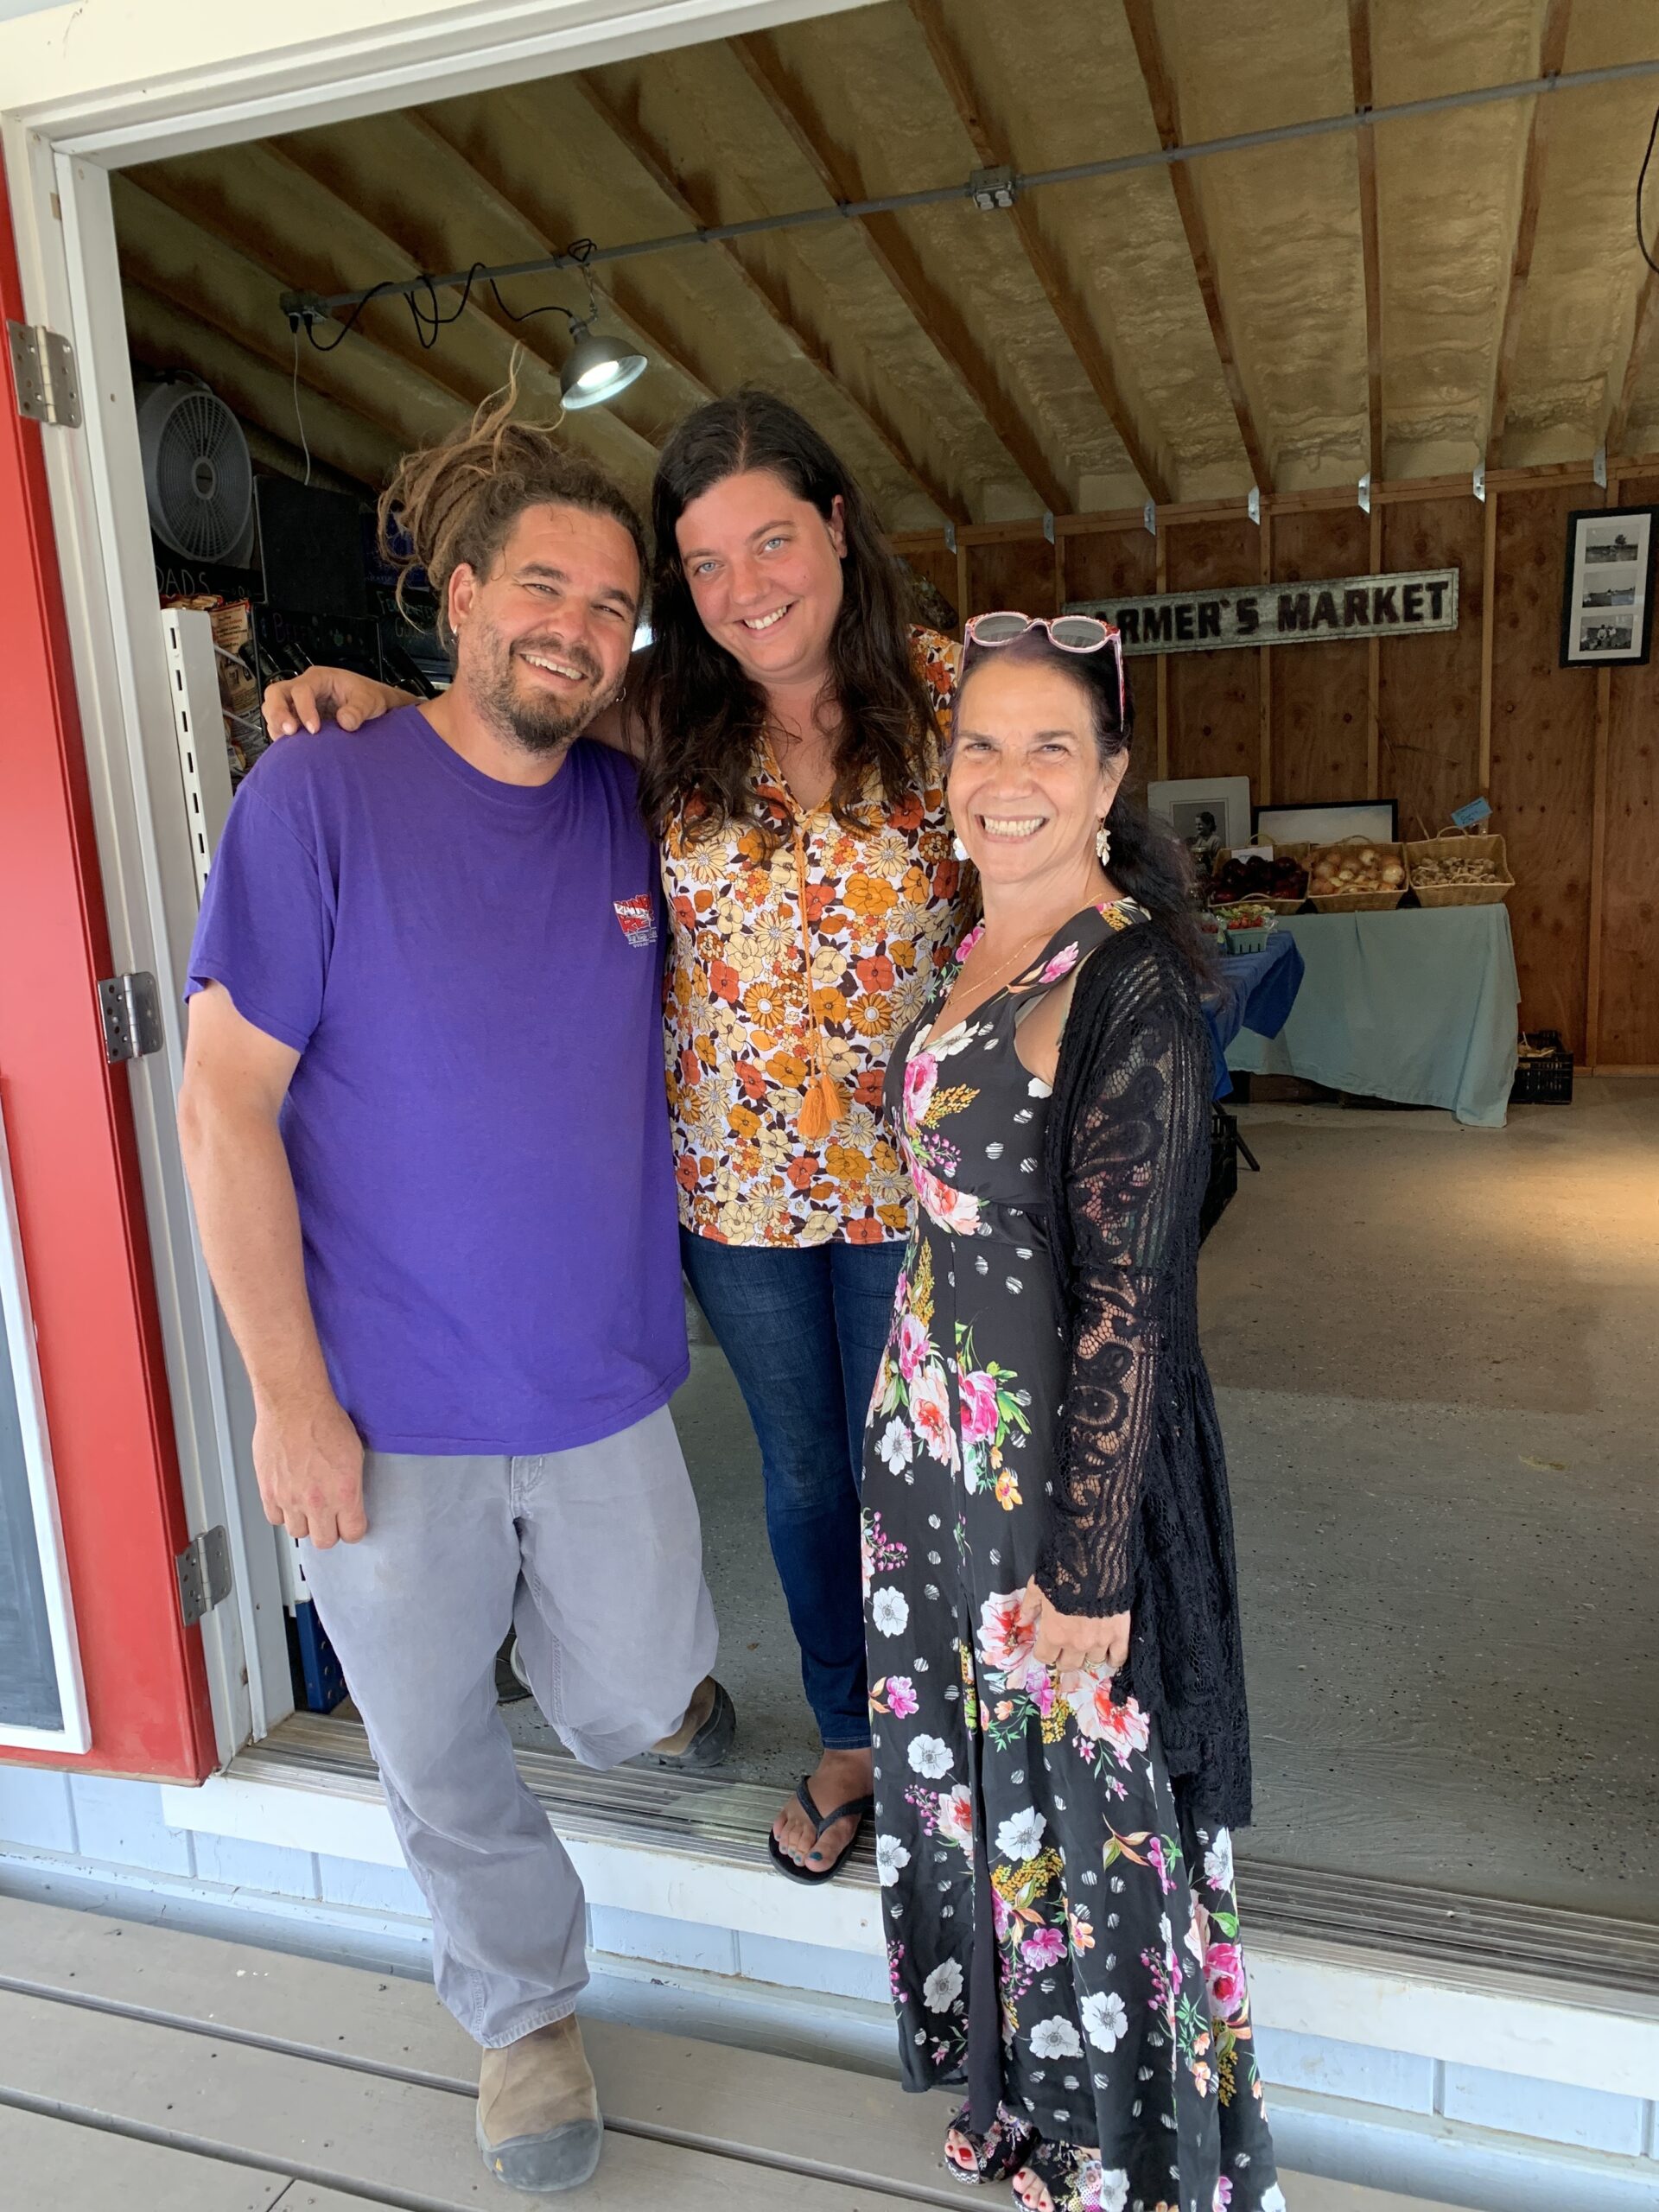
x=538 y=2123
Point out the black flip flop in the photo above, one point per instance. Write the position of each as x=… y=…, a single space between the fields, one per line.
x=860 y=1807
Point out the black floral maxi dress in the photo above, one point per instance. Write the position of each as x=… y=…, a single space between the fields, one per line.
x=1106 y=2031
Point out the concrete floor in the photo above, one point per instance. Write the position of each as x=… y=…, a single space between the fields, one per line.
x=1434 y=1353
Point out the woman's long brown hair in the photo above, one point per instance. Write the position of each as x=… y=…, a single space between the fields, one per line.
x=706 y=716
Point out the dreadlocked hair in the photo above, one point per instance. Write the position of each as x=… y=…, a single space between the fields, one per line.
x=454 y=504
x=707 y=716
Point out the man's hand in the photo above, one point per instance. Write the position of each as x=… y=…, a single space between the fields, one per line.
x=1073 y=1642
x=310 y=1462
x=308 y=700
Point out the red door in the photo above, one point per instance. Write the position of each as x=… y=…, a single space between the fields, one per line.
x=69 y=1124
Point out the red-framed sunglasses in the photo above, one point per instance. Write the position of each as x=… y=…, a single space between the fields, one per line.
x=1070 y=633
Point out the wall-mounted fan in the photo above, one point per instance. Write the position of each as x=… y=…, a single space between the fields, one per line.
x=198 y=476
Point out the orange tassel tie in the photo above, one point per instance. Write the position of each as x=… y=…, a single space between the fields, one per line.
x=825 y=1102
x=822 y=1108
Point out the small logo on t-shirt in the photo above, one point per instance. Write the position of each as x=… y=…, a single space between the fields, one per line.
x=638 y=919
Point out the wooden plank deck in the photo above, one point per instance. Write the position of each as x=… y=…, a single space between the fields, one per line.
x=144 y=2067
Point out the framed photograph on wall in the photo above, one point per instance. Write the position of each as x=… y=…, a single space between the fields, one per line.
x=1607 y=598
x=1208 y=814
x=1375 y=818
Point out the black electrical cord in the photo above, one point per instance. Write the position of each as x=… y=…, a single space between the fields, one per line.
x=1641 y=188
x=431 y=320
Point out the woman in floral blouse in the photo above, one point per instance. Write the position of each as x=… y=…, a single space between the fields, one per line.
x=793 y=768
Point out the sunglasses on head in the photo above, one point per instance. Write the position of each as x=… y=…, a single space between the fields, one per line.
x=1069 y=633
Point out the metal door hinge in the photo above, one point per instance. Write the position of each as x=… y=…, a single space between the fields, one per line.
x=131 y=1007
x=204 y=1573
x=43 y=367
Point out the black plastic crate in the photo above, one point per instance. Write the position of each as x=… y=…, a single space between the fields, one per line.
x=1547 y=1078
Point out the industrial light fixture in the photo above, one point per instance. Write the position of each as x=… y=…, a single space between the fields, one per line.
x=597 y=369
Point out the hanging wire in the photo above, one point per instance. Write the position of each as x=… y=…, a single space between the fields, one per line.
x=299 y=415
x=431 y=320
x=1641 y=188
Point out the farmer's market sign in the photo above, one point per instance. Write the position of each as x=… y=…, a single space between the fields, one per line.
x=1282 y=614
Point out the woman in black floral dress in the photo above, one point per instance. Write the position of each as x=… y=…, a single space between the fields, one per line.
x=1056 y=1679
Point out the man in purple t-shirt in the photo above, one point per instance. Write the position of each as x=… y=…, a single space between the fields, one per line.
x=424 y=1123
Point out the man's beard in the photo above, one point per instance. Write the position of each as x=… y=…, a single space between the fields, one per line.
x=531 y=718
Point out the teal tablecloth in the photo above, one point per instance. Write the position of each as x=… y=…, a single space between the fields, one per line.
x=1419 y=1005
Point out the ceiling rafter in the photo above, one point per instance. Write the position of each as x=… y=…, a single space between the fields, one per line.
x=1552 y=51
x=1160 y=90
x=934 y=311
x=593 y=426
x=993 y=150
x=1641 y=335
x=1359 y=40
x=185 y=201
x=625 y=306
x=655 y=160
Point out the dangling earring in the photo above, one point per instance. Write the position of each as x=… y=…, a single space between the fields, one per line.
x=959 y=848
x=1103 y=844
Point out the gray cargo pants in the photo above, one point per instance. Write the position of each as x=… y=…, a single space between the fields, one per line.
x=595 y=1557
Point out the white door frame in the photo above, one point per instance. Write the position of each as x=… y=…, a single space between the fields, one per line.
x=89 y=88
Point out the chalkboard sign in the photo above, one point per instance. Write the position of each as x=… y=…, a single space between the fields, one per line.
x=41 y=1698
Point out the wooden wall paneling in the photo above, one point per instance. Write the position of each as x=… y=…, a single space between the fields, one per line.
x=1319 y=691
x=1429 y=690
x=1264 y=672
x=1214 y=719
x=1488 y=615
x=1543 y=760
x=1598 y=856
x=1160 y=664
x=1628 y=1009
x=1111 y=564
x=938 y=565
x=1019 y=574
x=1373 y=669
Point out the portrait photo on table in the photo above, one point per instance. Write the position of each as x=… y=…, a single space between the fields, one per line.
x=1211 y=815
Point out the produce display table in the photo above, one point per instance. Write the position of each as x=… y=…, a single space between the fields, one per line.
x=1418 y=1005
x=1256 y=991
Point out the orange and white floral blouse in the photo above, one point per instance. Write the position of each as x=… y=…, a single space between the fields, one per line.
x=883 y=911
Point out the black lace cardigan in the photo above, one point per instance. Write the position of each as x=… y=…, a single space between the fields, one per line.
x=1141 y=1520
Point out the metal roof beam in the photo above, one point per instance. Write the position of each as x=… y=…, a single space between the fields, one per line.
x=1359 y=39
x=1160 y=90
x=1551 y=53
x=657 y=163
x=935 y=313
x=994 y=151
x=629 y=311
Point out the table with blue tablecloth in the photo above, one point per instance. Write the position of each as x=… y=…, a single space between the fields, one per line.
x=1253 y=990
x=1418 y=1005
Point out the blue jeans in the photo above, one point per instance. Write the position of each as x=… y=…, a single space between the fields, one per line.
x=804 y=1329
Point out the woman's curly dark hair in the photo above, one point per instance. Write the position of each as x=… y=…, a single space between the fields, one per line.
x=705 y=715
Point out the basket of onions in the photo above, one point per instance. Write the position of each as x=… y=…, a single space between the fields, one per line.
x=1357 y=876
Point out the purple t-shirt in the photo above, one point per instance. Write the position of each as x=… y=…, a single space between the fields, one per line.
x=471 y=973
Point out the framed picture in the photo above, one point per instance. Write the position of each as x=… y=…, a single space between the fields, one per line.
x=1208 y=813
x=1607 y=600
x=1375 y=818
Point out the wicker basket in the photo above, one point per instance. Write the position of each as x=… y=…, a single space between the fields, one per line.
x=1297 y=853
x=1454 y=844
x=1359 y=902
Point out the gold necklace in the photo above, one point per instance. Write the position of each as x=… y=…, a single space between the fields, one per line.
x=1031 y=936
